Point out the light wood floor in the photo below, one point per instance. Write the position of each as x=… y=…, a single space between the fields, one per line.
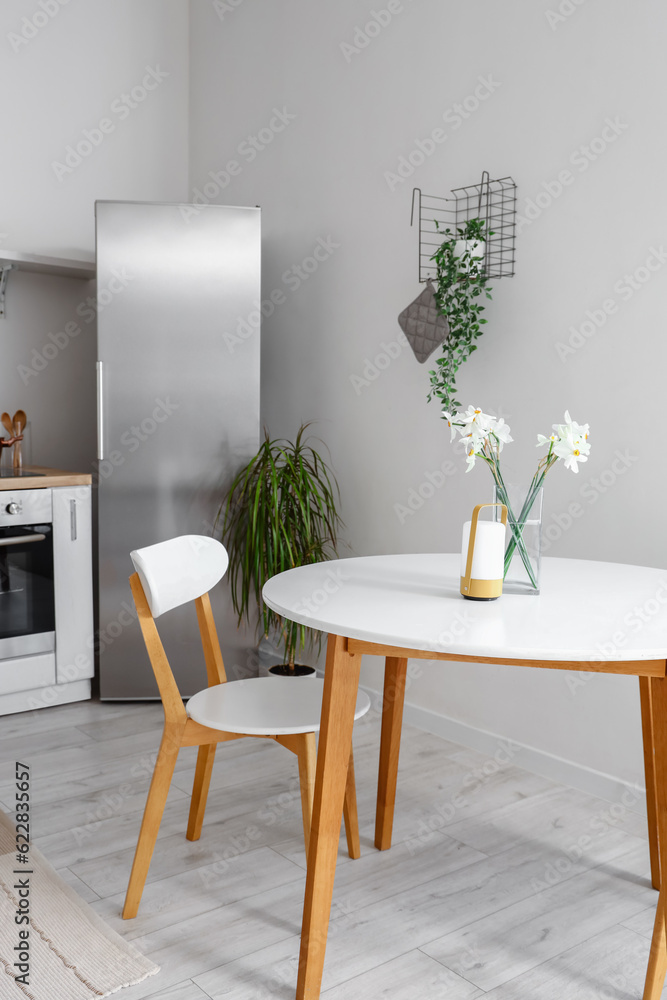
x=500 y=884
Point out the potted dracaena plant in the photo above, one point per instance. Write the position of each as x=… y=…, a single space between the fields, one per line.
x=460 y=286
x=279 y=512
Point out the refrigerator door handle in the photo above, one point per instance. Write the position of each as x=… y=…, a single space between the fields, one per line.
x=72 y=520
x=100 y=411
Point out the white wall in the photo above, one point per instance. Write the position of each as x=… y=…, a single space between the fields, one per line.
x=64 y=68
x=323 y=177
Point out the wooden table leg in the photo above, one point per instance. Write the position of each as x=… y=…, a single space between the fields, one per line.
x=341 y=683
x=395 y=672
x=657 y=963
x=649 y=771
x=350 y=813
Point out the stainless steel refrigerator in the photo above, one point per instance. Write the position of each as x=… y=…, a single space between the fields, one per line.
x=178 y=298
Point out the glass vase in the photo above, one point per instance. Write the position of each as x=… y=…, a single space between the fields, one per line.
x=524 y=537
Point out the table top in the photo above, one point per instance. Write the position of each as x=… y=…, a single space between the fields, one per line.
x=586 y=611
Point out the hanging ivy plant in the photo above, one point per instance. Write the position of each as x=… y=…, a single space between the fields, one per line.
x=460 y=284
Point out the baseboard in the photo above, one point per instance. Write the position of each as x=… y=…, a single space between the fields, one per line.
x=45 y=697
x=566 y=772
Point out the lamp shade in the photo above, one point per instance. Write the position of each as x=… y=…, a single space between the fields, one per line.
x=489 y=553
x=482 y=569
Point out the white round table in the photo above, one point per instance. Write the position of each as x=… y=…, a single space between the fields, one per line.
x=413 y=601
x=594 y=616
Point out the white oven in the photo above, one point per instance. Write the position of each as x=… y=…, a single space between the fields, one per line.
x=27 y=597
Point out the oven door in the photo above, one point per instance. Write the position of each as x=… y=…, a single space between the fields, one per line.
x=27 y=609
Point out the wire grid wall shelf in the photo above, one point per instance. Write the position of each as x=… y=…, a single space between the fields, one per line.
x=491 y=200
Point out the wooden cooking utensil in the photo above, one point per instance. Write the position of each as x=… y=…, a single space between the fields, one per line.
x=8 y=424
x=19 y=421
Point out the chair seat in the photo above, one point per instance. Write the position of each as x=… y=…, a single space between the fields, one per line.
x=265 y=706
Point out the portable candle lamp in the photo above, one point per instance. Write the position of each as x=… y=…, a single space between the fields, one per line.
x=482 y=555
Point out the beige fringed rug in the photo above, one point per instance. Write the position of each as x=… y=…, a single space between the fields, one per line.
x=73 y=954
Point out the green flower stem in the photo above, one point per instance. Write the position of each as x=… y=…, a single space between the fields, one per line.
x=517 y=536
x=492 y=459
x=517 y=540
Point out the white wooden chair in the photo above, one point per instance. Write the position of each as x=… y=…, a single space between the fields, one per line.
x=168 y=575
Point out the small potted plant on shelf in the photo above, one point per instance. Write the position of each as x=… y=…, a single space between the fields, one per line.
x=460 y=284
x=279 y=512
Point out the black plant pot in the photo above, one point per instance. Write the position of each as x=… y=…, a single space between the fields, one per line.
x=300 y=670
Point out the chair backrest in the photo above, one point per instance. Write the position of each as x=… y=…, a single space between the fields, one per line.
x=169 y=574
x=179 y=570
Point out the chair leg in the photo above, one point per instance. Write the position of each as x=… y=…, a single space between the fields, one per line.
x=350 y=812
x=307 y=757
x=205 y=759
x=150 y=825
x=305 y=747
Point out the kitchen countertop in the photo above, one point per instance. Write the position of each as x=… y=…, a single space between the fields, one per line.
x=47 y=478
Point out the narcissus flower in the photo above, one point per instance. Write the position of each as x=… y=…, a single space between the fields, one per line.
x=449 y=417
x=501 y=431
x=573 y=450
x=485 y=435
x=542 y=440
x=569 y=441
x=471 y=455
x=475 y=419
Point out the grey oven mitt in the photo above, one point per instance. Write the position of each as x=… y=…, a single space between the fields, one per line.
x=422 y=324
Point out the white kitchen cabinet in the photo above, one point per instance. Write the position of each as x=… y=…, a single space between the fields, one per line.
x=72 y=564
x=42 y=667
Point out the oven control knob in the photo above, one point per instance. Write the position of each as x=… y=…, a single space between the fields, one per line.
x=13 y=508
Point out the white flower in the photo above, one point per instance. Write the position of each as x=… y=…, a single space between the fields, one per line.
x=481 y=432
x=542 y=440
x=577 y=430
x=476 y=441
x=450 y=423
x=471 y=455
x=569 y=441
x=573 y=450
x=571 y=429
x=502 y=432
x=475 y=420
x=480 y=426
x=484 y=436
